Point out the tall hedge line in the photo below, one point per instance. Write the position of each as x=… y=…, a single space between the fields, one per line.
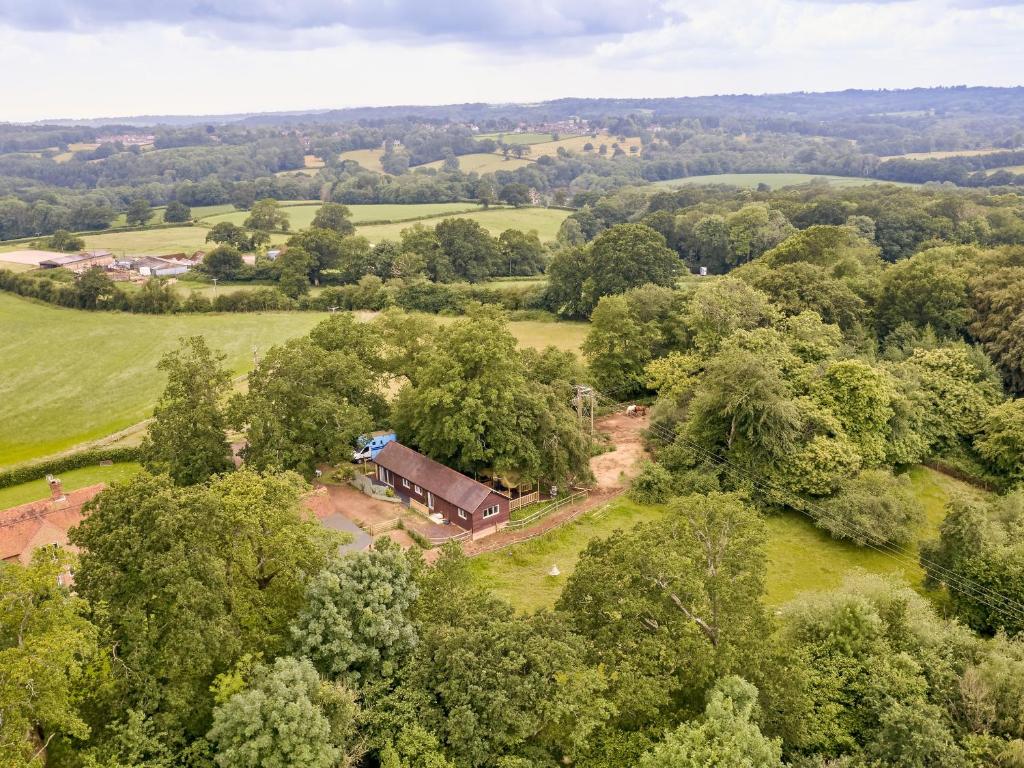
x=26 y=473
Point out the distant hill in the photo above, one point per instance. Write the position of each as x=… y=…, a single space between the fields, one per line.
x=867 y=104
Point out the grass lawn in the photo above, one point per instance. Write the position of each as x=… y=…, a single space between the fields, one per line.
x=511 y=283
x=72 y=376
x=774 y=180
x=545 y=220
x=576 y=144
x=519 y=574
x=14 y=266
x=800 y=556
x=35 y=490
x=300 y=215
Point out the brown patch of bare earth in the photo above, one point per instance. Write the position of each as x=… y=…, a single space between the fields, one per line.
x=610 y=469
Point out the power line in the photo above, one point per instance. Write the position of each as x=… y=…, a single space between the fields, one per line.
x=982 y=594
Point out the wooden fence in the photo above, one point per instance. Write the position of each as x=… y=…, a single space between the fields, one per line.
x=375 y=529
x=522 y=501
x=547 y=510
x=436 y=541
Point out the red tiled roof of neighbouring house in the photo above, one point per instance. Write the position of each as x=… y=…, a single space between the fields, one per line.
x=26 y=528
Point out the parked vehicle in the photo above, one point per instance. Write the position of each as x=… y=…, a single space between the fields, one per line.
x=368 y=446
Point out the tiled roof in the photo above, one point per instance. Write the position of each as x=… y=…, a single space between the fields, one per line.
x=27 y=527
x=442 y=481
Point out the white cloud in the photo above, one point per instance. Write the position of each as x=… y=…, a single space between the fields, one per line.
x=696 y=47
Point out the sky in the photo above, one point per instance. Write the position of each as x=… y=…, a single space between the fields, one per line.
x=102 y=58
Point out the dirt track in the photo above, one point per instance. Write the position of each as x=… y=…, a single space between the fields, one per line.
x=610 y=469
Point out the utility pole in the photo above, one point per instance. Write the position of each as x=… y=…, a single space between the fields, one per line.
x=584 y=403
x=214 y=286
x=255 y=357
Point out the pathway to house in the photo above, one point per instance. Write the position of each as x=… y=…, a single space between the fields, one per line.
x=612 y=471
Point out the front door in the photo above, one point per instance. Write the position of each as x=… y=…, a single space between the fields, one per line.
x=430 y=501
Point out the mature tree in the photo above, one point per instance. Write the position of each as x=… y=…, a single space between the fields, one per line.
x=266 y=216
x=95 y=288
x=336 y=217
x=516 y=194
x=187 y=438
x=754 y=229
x=356 y=622
x=567 y=273
x=716 y=310
x=861 y=397
x=324 y=245
x=627 y=256
x=294 y=267
x=726 y=736
x=228 y=233
x=354 y=259
x=799 y=287
x=139 y=212
x=518 y=692
x=64 y=241
x=866 y=657
x=285 y=716
x=191 y=579
x=998 y=303
x=471 y=404
x=46 y=645
x=306 y=404
x=1001 y=442
x=979 y=558
x=745 y=409
x=177 y=212
x=223 y=262
x=926 y=290
x=617 y=348
x=523 y=252
x=874 y=508
x=952 y=389
x=469 y=248
x=670 y=606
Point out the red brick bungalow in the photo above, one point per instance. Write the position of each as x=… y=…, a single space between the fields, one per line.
x=424 y=483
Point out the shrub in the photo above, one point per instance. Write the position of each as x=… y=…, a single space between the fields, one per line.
x=876 y=506
x=26 y=473
x=652 y=486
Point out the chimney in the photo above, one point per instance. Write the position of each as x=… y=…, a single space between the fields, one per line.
x=56 y=489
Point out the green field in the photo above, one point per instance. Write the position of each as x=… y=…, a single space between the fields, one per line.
x=518 y=138
x=71 y=376
x=368 y=158
x=300 y=215
x=800 y=556
x=150 y=241
x=71 y=480
x=774 y=180
x=482 y=162
x=1010 y=168
x=545 y=220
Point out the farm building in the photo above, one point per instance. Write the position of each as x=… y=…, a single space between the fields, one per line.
x=28 y=527
x=439 y=491
x=153 y=266
x=78 y=262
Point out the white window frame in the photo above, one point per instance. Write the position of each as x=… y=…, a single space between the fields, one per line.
x=405 y=483
x=491 y=511
x=386 y=477
x=430 y=500
x=417 y=489
x=462 y=513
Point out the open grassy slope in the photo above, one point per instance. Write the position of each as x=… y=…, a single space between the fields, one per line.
x=545 y=220
x=482 y=162
x=300 y=214
x=368 y=158
x=800 y=556
x=70 y=376
x=774 y=180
